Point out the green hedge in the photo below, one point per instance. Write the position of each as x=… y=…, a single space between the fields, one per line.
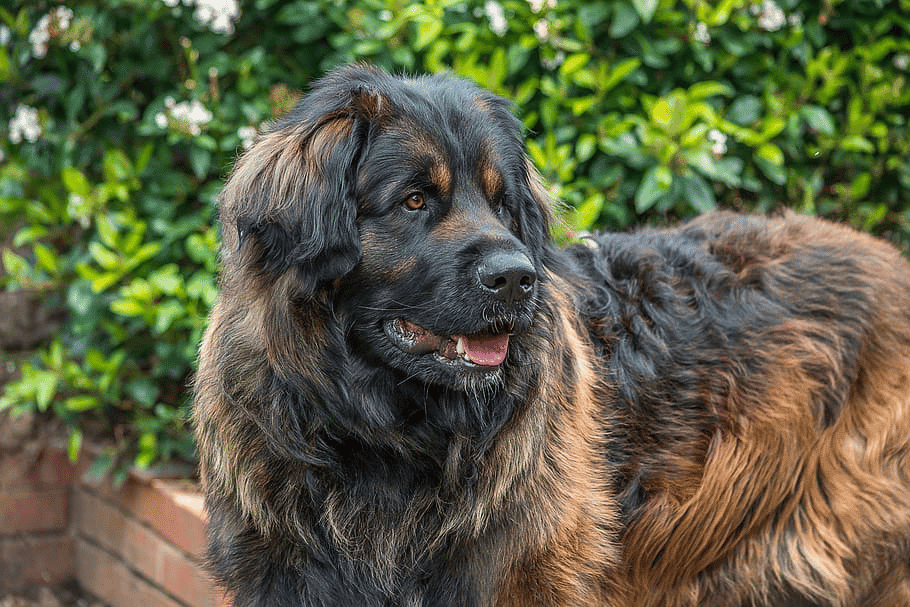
x=122 y=117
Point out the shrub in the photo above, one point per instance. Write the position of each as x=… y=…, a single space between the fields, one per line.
x=123 y=117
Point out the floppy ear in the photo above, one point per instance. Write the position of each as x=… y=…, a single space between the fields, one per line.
x=290 y=201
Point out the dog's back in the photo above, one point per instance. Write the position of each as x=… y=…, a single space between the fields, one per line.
x=763 y=373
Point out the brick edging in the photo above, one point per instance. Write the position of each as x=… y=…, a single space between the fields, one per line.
x=137 y=544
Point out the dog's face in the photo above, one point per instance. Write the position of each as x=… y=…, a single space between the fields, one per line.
x=411 y=205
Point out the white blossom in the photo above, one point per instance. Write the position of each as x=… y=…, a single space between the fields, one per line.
x=701 y=33
x=542 y=29
x=538 y=5
x=190 y=115
x=24 y=125
x=497 y=17
x=171 y=3
x=901 y=61
x=247 y=135
x=40 y=37
x=770 y=16
x=718 y=142
x=218 y=15
x=5 y=35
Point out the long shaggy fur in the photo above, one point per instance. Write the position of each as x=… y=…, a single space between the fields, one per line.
x=712 y=415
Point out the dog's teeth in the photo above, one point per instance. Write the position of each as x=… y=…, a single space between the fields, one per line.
x=459 y=346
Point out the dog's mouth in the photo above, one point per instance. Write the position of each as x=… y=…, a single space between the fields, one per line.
x=480 y=350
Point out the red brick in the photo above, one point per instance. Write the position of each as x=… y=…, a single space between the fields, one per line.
x=28 y=561
x=170 y=507
x=114 y=582
x=29 y=511
x=142 y=549
x=48 y=468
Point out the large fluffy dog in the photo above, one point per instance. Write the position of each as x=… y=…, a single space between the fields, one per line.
x=408 y=396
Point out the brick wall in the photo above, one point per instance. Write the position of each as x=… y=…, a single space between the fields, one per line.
x=138 y=545
x=36 y=546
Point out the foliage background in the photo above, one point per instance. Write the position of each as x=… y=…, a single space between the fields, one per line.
x=119 y=120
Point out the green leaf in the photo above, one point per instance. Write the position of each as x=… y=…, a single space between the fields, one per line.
x=698 y=193
x=168 y=312
x=818 y=118
x=76 y=182
x=771 y=153
x=645 y=9
x=585 y=214
x=103 y=256
x=573 y=63
x=625 y=19
x=47 y=259
x=745 y=110
x=619 y=72
x=79 y=404
x=15 y=264
x=200 y=161
x=669 y=113
x=107 y=231
x=45 y=385
x=127 y=307
x=74 y=445
x=167 y=279
x=144 y=390
x=655 y=183
x=116 y=165
x=856 y=143
x=148 y=449
x=428 y=30
x=709 y=88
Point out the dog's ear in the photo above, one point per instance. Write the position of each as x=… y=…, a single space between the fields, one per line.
x=290 y=201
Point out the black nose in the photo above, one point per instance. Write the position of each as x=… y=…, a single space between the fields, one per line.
x=509 y=275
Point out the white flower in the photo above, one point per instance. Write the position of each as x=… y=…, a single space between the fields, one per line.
x=247 y=135
x=718 y=142
x=770 y=16
x=171 y=3
x=542 y=29
x=40 y=36
x=64 y=16
x=218 y=15
x=701 y=33
x=60 y=18
x=496 y=16
x=190 y=115
x=5 y=35
x=24 y=125
x=901 y=61
x=537 y=5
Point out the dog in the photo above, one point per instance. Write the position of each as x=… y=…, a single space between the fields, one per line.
x=408 y=395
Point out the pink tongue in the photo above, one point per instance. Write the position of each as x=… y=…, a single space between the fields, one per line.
x=488 y=351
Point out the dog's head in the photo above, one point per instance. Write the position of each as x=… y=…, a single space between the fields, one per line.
x=411 y=206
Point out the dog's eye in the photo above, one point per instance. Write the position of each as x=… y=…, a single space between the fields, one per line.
x=415 y=201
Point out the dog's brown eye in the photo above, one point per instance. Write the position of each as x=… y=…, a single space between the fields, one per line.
x=415 y=201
